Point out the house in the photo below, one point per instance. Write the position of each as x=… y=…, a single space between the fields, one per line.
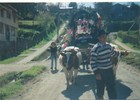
x=8 y=30
x=122 y=12
x=8 y=23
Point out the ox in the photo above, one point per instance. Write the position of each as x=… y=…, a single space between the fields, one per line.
x=70 y=59
x=115 y=60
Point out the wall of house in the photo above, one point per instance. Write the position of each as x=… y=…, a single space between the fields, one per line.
x=7 y=49
x=10 y=48
x=9 y=21
x=8 y=31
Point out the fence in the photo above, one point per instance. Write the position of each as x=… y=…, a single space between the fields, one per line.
x=11 y=48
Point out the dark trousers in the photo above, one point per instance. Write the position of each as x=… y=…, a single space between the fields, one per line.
x=108 y=81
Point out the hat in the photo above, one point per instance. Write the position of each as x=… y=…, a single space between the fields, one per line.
x=101 y=32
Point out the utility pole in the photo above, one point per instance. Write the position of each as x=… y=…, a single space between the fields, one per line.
x=57 y=22
x=57 y=25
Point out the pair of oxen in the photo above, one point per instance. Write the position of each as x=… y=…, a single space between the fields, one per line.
x=71 y=58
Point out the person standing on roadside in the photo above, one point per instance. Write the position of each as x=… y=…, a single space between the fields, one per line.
x=53 y=50
x=102 y=66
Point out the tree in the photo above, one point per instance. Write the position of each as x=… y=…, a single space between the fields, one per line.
x=46 y=22
x=41 y=7
x=25 y=10
x=136 y=8
x=53 y=8
x=73 y=4
x=104 y=8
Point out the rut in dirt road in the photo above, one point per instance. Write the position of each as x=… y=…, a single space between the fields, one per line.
x=27 y=63
x=51 y=85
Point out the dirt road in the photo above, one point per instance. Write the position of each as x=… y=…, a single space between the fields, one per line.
x=126 y=47
x=40 y=50
x=51 y=86
x=26 y=63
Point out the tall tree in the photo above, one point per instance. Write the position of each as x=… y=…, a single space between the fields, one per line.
x=53 y=8
x=25 y=10
x=103 y=8
x=41 y=7
x=73 y=4
x=136 y=8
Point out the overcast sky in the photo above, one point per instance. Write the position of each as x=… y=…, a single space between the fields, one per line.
x=88 y=4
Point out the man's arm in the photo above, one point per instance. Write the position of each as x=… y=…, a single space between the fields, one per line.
x=115 y=53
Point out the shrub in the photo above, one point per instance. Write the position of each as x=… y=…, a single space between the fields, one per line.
x=123 y=26
x=27 y=33
x=131 y=37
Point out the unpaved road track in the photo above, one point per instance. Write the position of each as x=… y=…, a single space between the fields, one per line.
x=126 y=47
x=51 y=86
x=40 y=50
x=26 y=63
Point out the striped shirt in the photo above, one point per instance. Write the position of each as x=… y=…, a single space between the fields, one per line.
x=101 y=56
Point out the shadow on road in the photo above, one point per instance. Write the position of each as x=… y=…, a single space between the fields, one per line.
x=54 y=71
x=85 y=71
x=123 y=91
x=87 y=83
x=83 y=83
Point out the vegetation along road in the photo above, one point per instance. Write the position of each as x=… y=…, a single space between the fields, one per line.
x=51 y=85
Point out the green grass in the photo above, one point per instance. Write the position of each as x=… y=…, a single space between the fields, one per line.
x=11 y=60
x=34 y=71
x=119 y=39
x=133 y=59
x=28 y=22
x=6 y=78
x=10 y=87
x=27 y=30
x=28 y=51
x=128 y=44
x=16 y=58
x=45 y=40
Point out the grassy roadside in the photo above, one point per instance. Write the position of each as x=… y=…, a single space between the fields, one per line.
x=128 y=44
x=28 y=51
x=13 y=82
x=46 y=54
x=27 y=22
x=133 y=58
x=45 y=40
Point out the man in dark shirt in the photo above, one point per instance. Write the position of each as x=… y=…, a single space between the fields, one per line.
x=53 y=50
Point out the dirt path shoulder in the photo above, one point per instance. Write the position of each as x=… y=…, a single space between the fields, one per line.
x=51 y=86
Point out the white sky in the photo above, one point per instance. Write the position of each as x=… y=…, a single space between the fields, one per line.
x=69 y=1
x=79 y=2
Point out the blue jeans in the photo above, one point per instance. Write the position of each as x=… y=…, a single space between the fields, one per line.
x=53 y=61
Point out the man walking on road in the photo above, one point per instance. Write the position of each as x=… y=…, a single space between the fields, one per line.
x=102 y=66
